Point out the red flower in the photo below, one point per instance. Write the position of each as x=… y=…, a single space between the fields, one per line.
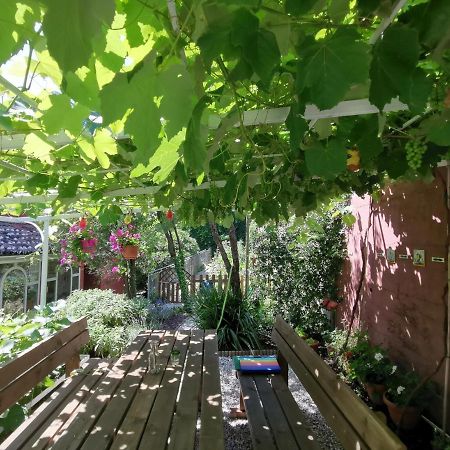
x=169 y=215
x=83 y=223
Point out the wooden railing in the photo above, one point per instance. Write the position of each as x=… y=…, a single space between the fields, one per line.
x=170 y=292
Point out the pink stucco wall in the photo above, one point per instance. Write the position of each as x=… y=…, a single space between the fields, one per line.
x=402 y=305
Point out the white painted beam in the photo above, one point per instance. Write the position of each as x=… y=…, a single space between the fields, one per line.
x=250 y=118
x=24 y=198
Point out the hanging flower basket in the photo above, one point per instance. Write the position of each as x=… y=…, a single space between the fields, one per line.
x=125 y=241
x=130 y=251
x=89 y=245
x=79 y=244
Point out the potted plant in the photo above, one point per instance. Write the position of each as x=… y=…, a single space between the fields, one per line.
x=370 y=365
x=79 y=245
x=405 y=399
x=313 y=343
x=125 y=241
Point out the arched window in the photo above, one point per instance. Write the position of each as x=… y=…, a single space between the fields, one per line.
x=13 y=290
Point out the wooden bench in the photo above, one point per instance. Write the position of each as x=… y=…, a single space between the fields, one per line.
x=24 y=372
x=276 y=421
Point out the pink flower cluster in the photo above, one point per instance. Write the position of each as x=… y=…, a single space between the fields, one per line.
x=122 y=237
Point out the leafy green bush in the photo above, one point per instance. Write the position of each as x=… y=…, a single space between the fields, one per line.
x=113 y=319
x=298 y=265
x=16 y=335
x=238 y=328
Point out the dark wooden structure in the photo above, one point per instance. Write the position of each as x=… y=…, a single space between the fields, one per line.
x=124 y=405
x=275 y=419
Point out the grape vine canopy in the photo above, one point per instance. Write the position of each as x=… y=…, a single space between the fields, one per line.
x=214 y=106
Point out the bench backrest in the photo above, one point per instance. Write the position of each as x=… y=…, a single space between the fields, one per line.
x=355 y=425
x=21 y=374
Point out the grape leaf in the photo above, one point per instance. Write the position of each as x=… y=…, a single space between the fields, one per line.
x=298 y=7
x=263 y=54
x=332 y=65
x=176 y=88
x=70 y=27
x=165 y=159
x=437 y=129
x=326 y=160
x=364 y=136
x=82 y=86
x=37 y=145
x=394 y=62
x=63 y=115
x=68 y=188
x=17 y=21
x=194 y=147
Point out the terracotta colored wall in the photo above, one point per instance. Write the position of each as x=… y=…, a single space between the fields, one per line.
x=402 y=305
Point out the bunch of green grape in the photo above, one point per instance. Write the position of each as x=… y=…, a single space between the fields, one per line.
x=415 y=150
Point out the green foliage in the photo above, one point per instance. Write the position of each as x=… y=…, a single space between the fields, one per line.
x=241 y=325
x=298 y=265
x=148 y=107
x=370 y=364
x=113 y=319
x=17 y=334
x=406 y=388
x=13 y=294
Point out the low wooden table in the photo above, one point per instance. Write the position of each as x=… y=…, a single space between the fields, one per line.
x=124 y=406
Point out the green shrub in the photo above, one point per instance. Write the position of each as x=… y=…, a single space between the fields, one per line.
x=113 y=319
x=298 y=264
x=239 y=328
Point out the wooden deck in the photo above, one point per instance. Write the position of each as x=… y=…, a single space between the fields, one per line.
x=123 y=405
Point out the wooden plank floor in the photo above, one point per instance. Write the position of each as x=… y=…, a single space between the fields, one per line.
x=126 y=406
x=275 y=420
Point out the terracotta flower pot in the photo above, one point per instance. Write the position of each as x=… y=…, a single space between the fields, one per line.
x=315 y=346
x=88 y=245
x=130 y=251
x=409 y=415
x=375 y=392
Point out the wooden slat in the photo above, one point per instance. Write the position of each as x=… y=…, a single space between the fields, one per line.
x=278 y=423
x=257 y=422
x=326 y=388
x=87 y=414
x=28 y=428
x=108 y=423
x=60 y=417
x=31 y=356
x=182 y=435
x=27 y=380
x=297 y=420
x=211 y=418
x=129 y=434
x=159 y=422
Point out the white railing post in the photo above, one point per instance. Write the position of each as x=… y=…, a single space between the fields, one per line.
x=44 y=262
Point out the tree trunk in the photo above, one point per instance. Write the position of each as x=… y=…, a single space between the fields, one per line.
x=220 y=247
x=169 y=237
x=178 y=260
x=235 y=278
